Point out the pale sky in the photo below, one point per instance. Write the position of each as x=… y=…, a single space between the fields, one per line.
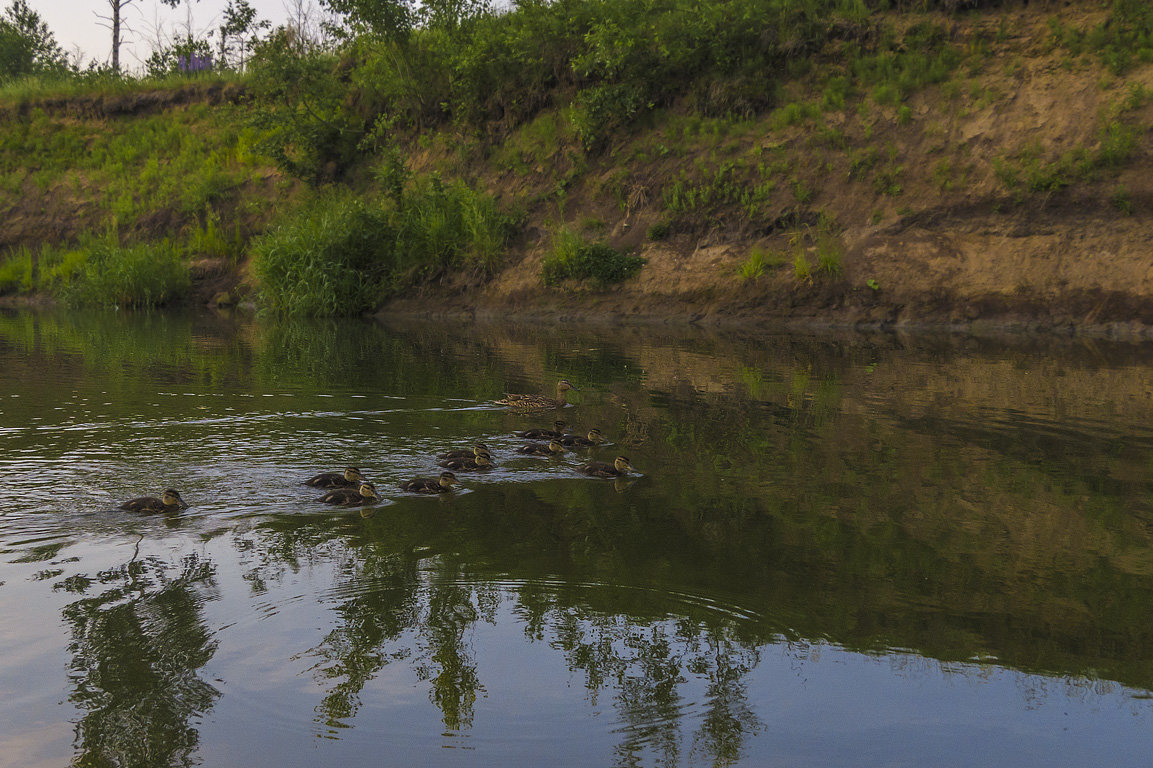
x=75 y=23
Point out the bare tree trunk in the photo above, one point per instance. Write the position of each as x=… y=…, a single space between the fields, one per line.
x=115 y=35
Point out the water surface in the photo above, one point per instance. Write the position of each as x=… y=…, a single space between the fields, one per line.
x=860 y=550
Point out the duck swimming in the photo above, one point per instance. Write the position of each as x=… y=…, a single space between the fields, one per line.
x=480 y=461
x=464 y=453
x=539 y=402
x=431 y=484
x=576 y=441
x=346 y=497
x=554 y=448
x=553 y=434
x=349 y=478
x=619 y=468
x=169 y=501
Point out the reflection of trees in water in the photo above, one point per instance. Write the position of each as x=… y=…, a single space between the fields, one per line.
x=391 y=601
x=357 y=648
x=422 y=612
x=136 y=651
x=646 y=665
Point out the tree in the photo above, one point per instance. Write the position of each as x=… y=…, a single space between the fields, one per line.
x=116 y=24
x=239 y=32
x=390 y=18
x=27 y=46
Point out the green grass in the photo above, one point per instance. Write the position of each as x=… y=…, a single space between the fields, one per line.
x=100 y=272
x=758 y=262
x=574 y=258
x=344 y=253
x=142 y=275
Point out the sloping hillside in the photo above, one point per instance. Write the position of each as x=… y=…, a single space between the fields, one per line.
x=988 y=168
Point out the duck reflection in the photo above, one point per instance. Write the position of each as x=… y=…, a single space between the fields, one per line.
x=137 y=649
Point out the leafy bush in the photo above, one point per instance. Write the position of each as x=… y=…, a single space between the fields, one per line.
x=574 y=258
x=343 y=255
x=324 y=260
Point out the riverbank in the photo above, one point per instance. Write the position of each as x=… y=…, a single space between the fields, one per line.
x=979 y=170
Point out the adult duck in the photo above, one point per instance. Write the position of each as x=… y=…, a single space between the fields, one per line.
x=169 y=501
x=619 y=468
x=539 y=402
x=555 y=433
x=431 y=484
x=576 y=441
x=554 y=448
x=347 y=497
x=349 y=478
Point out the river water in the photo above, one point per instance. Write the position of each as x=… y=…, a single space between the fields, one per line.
x=835 y=551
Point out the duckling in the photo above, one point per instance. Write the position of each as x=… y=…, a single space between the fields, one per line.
x=539 y=402
x=169 y=501
x=346 y=497
x=554 y=448
x=431 y=484
x=481 y=461
x=464 y=453
x=349 y=478
x=619 y=468
x=558 y=431
x=594 y=438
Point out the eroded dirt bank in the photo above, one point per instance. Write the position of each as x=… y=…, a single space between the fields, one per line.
x=998 y=205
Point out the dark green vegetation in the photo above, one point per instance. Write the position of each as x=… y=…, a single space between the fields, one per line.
x=344 y=254
x=409 y=148
x=574 y=259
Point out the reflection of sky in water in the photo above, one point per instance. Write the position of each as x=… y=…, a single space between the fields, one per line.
x=753 y=502
x=810 y=703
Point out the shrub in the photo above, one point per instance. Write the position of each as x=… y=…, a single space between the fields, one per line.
x=343 y=255
x=574 y=258
x=324 y=260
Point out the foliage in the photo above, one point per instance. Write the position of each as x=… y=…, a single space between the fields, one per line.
x=390 y=18
x=188 y=56
x=239 y=33
x=572 y=258
x=306 y=126
x=343 y=254
x=141 y=275
x=27 y=46
x=757 y=263
x=324 y=260
x=1121 y=40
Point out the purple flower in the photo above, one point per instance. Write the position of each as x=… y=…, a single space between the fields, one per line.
x=195 y=62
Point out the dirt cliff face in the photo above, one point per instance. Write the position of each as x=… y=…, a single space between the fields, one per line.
x=989 y=201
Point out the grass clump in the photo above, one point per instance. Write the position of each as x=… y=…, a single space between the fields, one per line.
x=139 y=275
x=343 y=254
x=573 y=258
x=324 y=260
x=100 y=272
x=758 y=262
